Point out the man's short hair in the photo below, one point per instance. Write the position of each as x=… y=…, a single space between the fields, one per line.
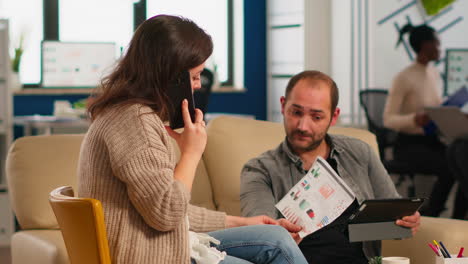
x=319 y=76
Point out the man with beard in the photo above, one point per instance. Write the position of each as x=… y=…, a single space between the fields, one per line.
x=309 y=108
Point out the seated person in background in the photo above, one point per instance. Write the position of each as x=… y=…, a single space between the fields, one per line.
x=128 y=163
x=309 y=108
x=457 y=153
x=419 y=85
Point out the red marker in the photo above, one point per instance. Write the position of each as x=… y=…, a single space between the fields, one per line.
x=460 y=253
x=434 y=249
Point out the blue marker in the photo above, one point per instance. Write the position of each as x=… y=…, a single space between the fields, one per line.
x=444 y=249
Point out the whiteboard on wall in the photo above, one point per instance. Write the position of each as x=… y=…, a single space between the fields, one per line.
x=75 y=64
x=456 y=70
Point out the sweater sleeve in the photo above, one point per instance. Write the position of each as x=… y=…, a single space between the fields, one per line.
x=204 y=220
x=392 y=116
x=161 y=200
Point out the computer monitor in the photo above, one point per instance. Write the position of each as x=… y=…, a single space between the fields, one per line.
x=75 y=64
x=456 y=70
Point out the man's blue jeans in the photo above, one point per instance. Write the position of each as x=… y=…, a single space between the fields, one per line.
x=258 y=244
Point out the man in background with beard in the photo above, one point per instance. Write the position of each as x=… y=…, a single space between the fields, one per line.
x=309 y=108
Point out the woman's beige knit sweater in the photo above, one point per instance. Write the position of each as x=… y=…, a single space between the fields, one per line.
x=127 y=162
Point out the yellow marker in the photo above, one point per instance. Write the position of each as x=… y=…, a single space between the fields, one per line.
x=438 y=247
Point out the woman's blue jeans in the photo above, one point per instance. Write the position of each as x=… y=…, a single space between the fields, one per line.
x=258 y=244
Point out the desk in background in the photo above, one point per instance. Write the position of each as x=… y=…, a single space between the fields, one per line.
x=27 y=103
x=43 y=124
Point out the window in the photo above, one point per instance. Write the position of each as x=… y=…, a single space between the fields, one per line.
x=25 y=23
x=80 y=23
x=113 y=21
x=221 y=19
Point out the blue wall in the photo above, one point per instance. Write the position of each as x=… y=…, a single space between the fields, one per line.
x=252 y=102
x=38 y=105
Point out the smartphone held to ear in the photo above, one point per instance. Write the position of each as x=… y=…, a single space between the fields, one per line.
x=179 y=90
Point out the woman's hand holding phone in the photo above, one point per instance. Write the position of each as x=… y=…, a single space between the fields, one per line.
x=191 y=142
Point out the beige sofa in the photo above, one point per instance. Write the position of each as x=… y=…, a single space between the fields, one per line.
x=36 y=165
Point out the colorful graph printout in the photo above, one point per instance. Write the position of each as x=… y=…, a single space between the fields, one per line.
x=317 y=199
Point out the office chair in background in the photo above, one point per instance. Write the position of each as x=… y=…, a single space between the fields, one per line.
x=373 y=103
x=201 y=96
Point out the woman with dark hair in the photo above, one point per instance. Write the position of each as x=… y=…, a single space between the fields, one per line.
x=418 y=86
x=128 y=163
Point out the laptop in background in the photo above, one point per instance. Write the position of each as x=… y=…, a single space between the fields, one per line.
x=450 y=121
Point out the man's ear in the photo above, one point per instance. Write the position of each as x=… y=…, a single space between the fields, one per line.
x=335 y=116
x=283 y=103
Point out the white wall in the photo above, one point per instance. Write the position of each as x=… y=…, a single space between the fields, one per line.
x=341 y=54
x=298 y=39
x=25 y=18
x=363 y=45
x=387 y=60
x=285 y=49
x=317 y=27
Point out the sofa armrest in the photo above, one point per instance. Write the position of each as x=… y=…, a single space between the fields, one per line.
x=38 y=246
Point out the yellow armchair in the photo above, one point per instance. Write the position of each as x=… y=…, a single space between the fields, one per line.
x=81 y=221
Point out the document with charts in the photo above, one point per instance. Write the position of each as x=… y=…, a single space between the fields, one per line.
x=317 y=199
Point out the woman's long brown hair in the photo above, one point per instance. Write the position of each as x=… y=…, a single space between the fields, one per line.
x=161 y=48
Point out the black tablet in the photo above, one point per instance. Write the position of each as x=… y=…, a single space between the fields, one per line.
x=384 y=210
x=180 y=88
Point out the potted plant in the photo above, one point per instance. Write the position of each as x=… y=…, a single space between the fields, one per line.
x=15 y=62
x=375 y=260
x=15 y=66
